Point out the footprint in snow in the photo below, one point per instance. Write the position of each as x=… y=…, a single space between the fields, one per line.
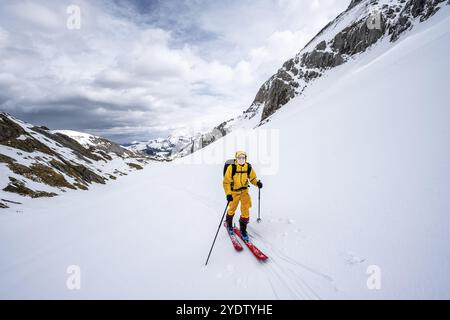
x=240 y=282
x=352 y=259
x=230 y=267
x=226 y=272
x=290 y=221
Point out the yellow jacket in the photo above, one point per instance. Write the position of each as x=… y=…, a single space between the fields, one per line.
x=240 y=179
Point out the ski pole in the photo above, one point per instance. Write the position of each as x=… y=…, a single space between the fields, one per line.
x=259 y=205
x=223 y=216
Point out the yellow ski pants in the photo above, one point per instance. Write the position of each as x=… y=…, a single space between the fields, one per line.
x=242 y=197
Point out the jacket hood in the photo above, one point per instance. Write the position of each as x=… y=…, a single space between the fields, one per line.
x=238 y=153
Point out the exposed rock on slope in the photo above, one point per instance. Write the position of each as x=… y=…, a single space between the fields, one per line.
x=37 y=162
x=363 y=24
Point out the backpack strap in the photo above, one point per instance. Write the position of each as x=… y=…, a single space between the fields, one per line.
x=233 y=170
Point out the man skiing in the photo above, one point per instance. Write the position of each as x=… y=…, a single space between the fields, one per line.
x=235 y=184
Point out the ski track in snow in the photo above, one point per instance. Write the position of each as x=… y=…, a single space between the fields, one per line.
x=280 y=267
x=203 y=199
x=289 y=272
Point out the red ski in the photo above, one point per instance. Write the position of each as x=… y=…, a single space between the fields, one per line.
x=256 y=252
x=234 y=240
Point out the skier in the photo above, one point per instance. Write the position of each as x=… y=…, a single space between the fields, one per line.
x=235 y=184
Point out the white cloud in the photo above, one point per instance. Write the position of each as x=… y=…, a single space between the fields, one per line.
x=34 y=14
x=4 y=35
x=123 y=70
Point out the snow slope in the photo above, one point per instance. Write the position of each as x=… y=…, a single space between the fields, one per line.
x=363 y=179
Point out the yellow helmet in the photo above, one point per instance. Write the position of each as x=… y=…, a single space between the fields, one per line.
x=239 y=153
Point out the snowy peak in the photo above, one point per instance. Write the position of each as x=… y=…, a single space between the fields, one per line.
x=162 y=149
x=173 y=147
x=85 y=139
x=92 y=142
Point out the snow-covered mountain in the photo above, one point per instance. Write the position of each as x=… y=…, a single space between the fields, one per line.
x=354 y=205
x=357 y=29
x=38 y=162
x=173 y=147
x=164 y=149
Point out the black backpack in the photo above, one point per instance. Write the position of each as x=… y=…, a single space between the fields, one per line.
x=233 y=168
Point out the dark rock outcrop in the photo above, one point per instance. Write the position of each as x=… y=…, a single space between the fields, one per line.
x=321 y=60
x=422 y=9
x=357 y=38
x=135 y=166
x=19 y=187
x=11 y=131
x=275 y=95
x=353 y=3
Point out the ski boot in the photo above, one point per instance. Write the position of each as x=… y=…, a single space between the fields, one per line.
x=229 y=221
x=243 y=229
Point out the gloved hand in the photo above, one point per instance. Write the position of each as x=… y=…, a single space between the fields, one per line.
x=229 y=198
x=259 y=184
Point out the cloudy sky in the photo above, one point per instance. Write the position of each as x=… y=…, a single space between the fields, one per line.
x=140 y=69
